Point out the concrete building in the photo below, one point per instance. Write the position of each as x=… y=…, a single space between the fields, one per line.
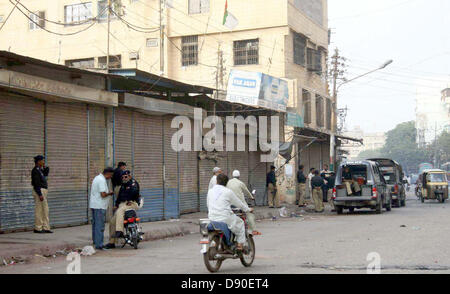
x=372 y=141
x=432 y=111
x=185 y=40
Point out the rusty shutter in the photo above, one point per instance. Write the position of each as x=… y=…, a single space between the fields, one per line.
x=67 y=148
x=123 y=137
x=257 y=176
x=148 y=164
x=21 y=138
x=189 y=182
x=171 y=195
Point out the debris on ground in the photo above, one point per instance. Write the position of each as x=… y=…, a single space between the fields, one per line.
x=283 y=212
x=416 y=228
x=88 y=251
x=403 y=226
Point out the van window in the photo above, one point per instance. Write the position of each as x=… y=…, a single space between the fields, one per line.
x=354 y=172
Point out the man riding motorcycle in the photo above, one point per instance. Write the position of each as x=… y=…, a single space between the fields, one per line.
x=240 y=189
x=129 y=198
x=219 y=201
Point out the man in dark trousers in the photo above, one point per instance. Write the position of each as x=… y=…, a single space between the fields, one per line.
x=325 y=173
x=117 y=177
x=316 y=184
x=129 y=198
x=271 y=184
x=301 y=186
x=39 y=176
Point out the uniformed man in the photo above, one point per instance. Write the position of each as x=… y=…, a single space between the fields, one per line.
x=129 y=198
x=117 y=177
x=301 y=186
x=325 y=173
x=331 y=182
x=39 y=176
x=316 y=184
x=271 y=184
x=240 y=189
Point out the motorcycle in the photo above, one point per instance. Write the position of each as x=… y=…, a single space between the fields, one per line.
x=218 y=243
x=133 y=230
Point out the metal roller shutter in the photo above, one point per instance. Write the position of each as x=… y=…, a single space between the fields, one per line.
x=67 y=142
x=189 y=182
x=257 y=176
x=205 y=173
x=238 y=160
x=21 y=138
x=148 y=164
x=123 y=137
x=171 y=195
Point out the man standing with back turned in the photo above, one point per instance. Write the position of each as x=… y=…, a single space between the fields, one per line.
x=40 y=189
x=271 y=183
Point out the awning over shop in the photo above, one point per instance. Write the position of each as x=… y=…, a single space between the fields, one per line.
x=345 y=138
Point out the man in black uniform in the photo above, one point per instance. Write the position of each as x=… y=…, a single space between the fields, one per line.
x=117 y=177
x=301 y=181
x=129 y=198
x=316 y=183
x=39 y=176
x=271 y=184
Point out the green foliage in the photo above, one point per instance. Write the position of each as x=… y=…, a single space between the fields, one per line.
x=401 y=146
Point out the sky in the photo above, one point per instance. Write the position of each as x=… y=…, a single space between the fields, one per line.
x=415 y=34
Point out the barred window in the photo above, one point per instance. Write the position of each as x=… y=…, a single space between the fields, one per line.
x=299 y=49
x=189 y=50
x=306 y=99
x=319 y=111
x=198 y=6
x=246 y=52
x=81 y=63
x=314 y=60
x=115 y=61
x=328 y=106
x=77 y=12
x=37 y=20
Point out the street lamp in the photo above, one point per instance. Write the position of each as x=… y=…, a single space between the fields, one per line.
x=332 y=137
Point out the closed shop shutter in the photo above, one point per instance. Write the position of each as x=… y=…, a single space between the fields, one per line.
x=257 y=176
x=21 y=138
x=97 y=141
x=123 y=137
x=67 y=158
x=238 y=160
x=148 y=164
x=171 y=195
x=189 y=182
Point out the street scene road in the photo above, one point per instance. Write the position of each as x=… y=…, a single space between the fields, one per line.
x=413 y=239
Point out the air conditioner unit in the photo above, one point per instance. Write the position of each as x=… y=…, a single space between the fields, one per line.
x=134 y=55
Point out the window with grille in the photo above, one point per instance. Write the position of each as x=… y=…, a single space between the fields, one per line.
x=115 y=61
x=189 y=50
x=306 y=99
x=198 y=6
x=319 y=111
x=246 y=52
x=314 y=60
x=81 y=63
x=328 y=107
x=102 y=7
x=299 y=49
x=76 y=13
x=37 y=20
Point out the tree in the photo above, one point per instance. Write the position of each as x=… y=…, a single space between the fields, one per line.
x=401 y=146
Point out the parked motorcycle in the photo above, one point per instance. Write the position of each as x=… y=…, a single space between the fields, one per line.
x=133 y=230
x=219 y=243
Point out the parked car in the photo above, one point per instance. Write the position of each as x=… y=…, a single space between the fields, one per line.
x=393 y=175
x=360 y=184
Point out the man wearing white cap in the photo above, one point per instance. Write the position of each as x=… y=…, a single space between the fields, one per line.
x=240 y=189
x=216 y=171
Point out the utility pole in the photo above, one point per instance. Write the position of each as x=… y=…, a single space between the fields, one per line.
x=337 y=63
x=161 y=38
x=107 y=38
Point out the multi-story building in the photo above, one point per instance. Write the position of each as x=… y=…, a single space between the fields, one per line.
x=186 y=40
x=432 y=114
x=372 y=141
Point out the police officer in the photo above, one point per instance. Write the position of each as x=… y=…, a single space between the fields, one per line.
x=271 y=184
x=129 y=198
x=316 y=183
x=39 y=176
x=301 y=181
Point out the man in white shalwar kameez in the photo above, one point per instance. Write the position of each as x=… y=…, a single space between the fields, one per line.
x=219 y=202
x=216 y=171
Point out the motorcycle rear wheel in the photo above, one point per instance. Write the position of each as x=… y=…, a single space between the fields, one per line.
x=213 y=265
x=247 y=259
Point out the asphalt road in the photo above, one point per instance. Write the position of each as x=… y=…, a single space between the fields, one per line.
x=413 y=239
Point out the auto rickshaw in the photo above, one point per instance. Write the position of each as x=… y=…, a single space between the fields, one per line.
x=433 y=185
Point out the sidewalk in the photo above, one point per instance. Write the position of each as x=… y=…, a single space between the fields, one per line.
x=25 y=246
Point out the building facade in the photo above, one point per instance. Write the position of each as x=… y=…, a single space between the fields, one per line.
x=186 y=40
x=372 y=141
